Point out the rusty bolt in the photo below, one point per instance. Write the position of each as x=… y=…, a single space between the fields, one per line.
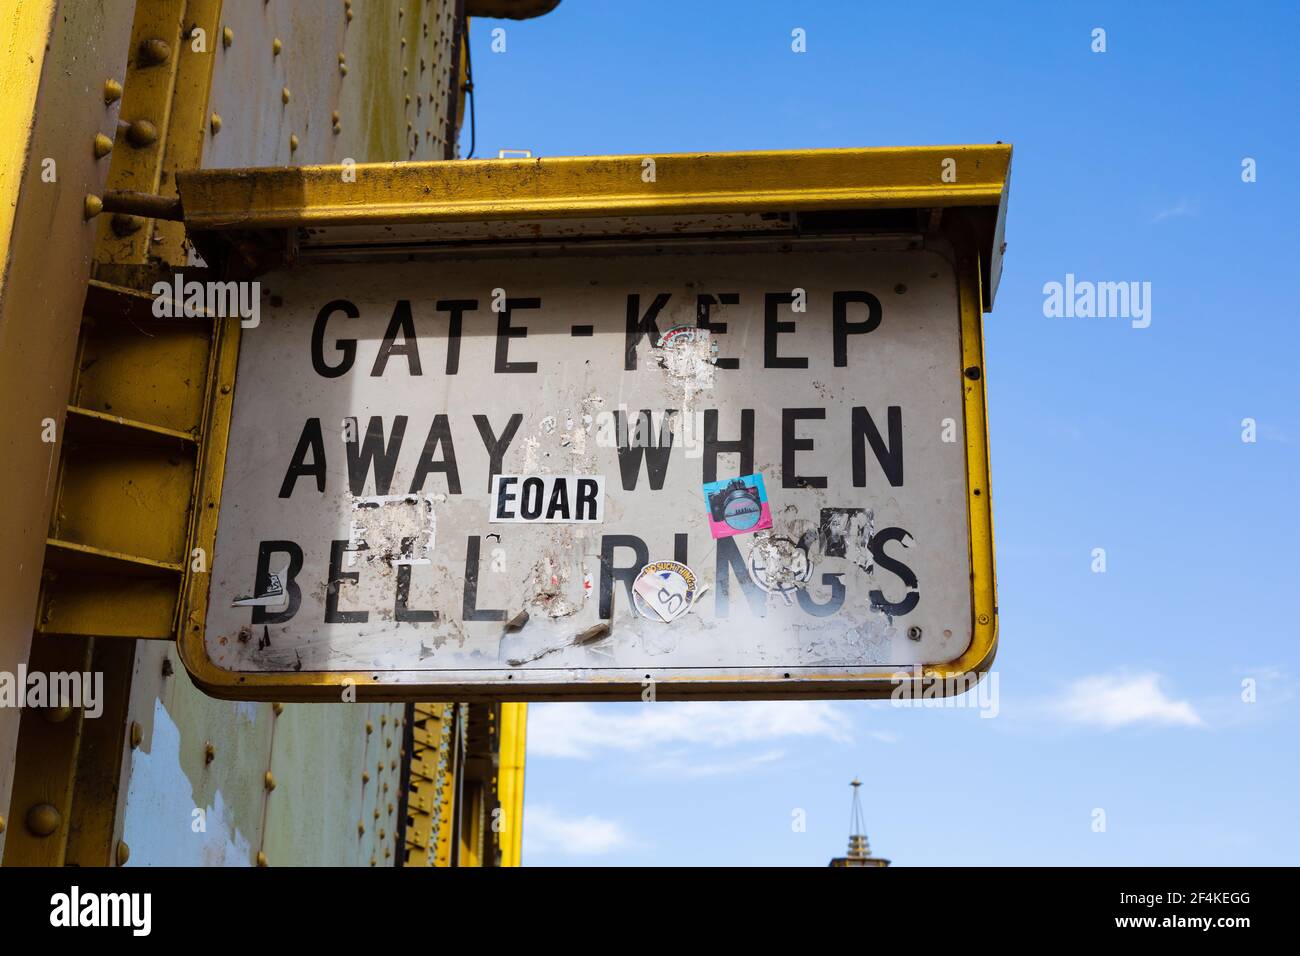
x=293 y=142
x=141 y=133
x=43 y=819
x=123 y=853
x=152 y=52
x=383 y=720
x=268 y=781
x=261 y=858
x=125 y=225
x=361 y=828
x=403 y=43
x=276 y=46
x=112 y=91
x=92 y=207
x=343 y=69
x=284 y=95
x=365 y=776
x=278 y=708
x=334 y=117
x=347 y=14
x=137 y=734
x=102 y=146
x=370 y=728
x=342 y=57
x=214 y=121
x=376 y=813
x=227 y=37
x=167 y=669
x=209 y=752
x=373 y=861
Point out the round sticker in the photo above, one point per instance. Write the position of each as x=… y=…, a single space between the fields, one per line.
x=664 y=590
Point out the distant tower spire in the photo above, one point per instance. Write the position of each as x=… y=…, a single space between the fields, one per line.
x=859 y=852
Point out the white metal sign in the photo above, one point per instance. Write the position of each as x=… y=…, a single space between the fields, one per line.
x=714 y=469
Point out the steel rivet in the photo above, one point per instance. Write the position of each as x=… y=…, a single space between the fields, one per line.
x=343 y=69
x=361 y=828
x=284 y=95
x=152 y=52
x=347 y=14
x=365 y=776
x=112 y=91
x=370 y=728
x=215 y=122
x=102 y=146
x=227 y=37
x=137 y=732
x=123 y=853
x=141 y=133
x=342 y=57
x=276 y=47
x=43 y=819
x=293 y=142
x=277 y=707
x=268 y=781
x=261 y=858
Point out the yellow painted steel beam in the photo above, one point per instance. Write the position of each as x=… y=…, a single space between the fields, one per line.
x=510 y=782
x=25 y=28
x=584 y=186
x=55 y=107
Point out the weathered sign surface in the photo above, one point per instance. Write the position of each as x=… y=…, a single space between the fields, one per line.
x=726 y=469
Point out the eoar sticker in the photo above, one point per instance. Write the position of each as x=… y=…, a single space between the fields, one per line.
x=737 y=506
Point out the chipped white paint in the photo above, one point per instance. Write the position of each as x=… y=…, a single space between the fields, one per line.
x=164 y=823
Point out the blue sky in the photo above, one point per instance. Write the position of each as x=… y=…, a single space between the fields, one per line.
x=1119 y=691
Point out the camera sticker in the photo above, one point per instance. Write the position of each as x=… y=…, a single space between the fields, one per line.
x=737 y=506
x=664 y=590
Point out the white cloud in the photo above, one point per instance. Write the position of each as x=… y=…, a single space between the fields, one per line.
x=1112 y=701
x=1182 y=208
x=548 y=831
x=679 y=765
x=583 y=730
